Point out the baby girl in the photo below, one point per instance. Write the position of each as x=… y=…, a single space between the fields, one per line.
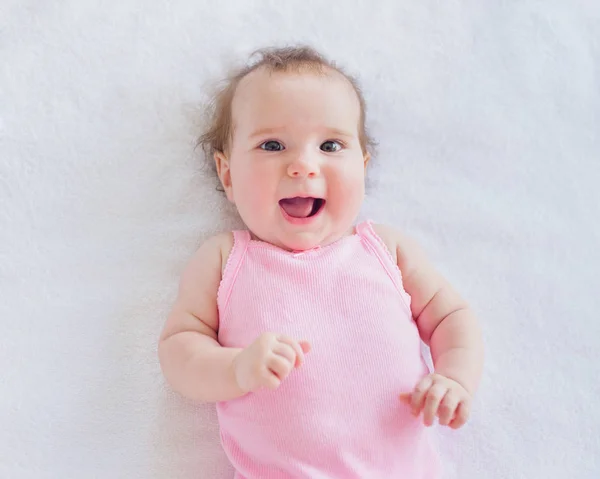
x=306 y=328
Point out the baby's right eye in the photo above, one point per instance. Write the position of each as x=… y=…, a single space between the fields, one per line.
x=272 y=145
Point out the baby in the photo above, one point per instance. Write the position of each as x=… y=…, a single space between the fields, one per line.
x=306 y=328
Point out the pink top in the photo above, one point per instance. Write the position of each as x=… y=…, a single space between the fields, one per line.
x=337 y=416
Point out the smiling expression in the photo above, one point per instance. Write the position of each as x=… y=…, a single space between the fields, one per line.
x=295 y=167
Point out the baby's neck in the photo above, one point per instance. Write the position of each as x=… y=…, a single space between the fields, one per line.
x=349 y=232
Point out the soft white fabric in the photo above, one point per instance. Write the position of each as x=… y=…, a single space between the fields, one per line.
x=488 y=118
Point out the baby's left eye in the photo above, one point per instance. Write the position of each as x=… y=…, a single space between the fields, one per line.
x=330 y=146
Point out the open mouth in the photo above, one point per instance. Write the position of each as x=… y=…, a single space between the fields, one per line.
x=298 y=207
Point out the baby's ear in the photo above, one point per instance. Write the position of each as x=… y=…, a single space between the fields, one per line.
x=367 y=159
x=222 y=164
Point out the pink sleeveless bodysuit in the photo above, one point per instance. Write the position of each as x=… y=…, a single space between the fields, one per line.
x=338 y=416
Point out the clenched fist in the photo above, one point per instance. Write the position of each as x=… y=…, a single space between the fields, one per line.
x=268 y=361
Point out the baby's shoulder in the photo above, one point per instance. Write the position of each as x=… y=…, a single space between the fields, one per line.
x=212 y=255
x=400 y=246
x=218 y=245
x=389 y=236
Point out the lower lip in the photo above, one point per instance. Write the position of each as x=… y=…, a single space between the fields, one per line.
x=302 y=221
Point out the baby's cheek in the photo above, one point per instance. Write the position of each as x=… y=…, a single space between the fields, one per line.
x=256 y=201
x=252 y=205
x=350 y=189
x=251 y=182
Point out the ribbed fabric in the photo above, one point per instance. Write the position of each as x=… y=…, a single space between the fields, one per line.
x=337 y=416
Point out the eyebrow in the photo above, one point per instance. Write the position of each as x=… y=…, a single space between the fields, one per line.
x=273 y=131
x=338 y=132
x=265 y=132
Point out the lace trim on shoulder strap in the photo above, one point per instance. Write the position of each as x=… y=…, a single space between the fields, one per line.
x=366 y=231
x=241 y=239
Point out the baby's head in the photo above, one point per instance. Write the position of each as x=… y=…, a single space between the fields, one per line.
x=290 y=147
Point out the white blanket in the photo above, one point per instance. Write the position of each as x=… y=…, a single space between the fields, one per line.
x=488 y=119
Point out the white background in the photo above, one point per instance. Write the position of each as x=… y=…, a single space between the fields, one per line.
x=488 y=119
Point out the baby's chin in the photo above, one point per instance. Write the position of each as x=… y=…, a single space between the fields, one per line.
x=305 y=241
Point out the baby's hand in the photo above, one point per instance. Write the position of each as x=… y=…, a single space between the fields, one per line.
x=268 y=361
x=437 y=395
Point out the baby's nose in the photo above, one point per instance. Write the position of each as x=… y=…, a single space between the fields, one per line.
x=303 y=167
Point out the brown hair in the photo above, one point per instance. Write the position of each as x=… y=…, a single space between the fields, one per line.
x=219 y=132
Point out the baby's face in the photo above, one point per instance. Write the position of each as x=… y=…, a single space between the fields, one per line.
x=295 y=169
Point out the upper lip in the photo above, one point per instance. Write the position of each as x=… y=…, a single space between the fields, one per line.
x=302 y=195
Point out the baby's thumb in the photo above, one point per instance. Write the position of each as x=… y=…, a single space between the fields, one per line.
x=305 y=345
x=405 y=397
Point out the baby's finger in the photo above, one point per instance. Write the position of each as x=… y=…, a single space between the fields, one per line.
x=448 y=408
x=434 y=396
x=295 y=345
x=279 y=366
x=286 y=351
x=461 y=416
x=418 y=395
x=406 y=398
x=268 y=379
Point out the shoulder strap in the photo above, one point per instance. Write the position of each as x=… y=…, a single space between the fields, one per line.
x=378 y=247
x=241 y=239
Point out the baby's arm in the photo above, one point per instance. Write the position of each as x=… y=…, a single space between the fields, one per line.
x=448 y=326
x=193 y=361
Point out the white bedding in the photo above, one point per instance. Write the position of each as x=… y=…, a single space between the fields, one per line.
x=488 y=118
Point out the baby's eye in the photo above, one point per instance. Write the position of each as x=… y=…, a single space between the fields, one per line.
x=330 y=146
x=272 y=145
